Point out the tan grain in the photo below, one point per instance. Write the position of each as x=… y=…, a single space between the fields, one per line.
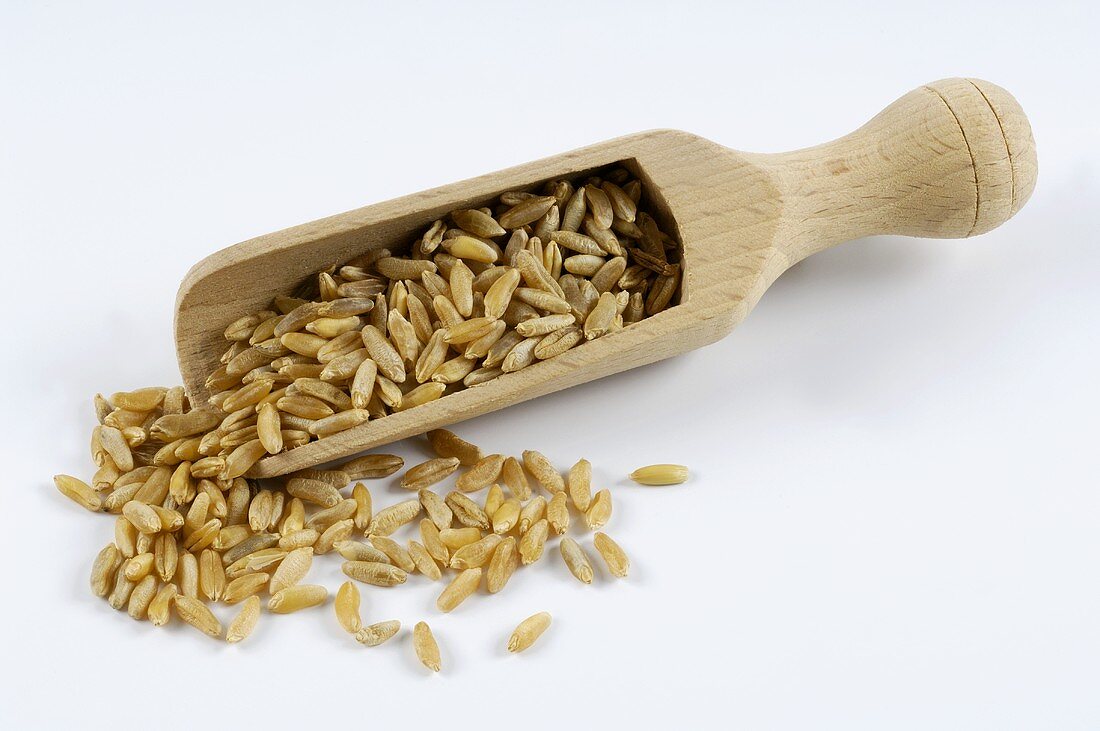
x=189 y=575
x=466 y=511
x=245 y=586
x=293 y=517
x=106 y=564
x=292 y=569
x=357 y=551
x=506 y=516
x=374 y=573
x=428 y=473
x=78 y=491
x=377 y=633
x=660 y=474
x=166 y=556
x=557 y=513
x=120 y=590
x=599 y=512
x=245 y=622
x=324 y=519
x=160 y=607
x=347 y=607
x=447 y=444
x=423 y=561
x=480 y=475
x=125 y=537
x=372 y=466
x=459 y=590
x=427 y=649
x=502 y=565
x=387 y=520
x=296 y=598
x=575 y=558
x=470 y=249
x=494 y=498
x=211 y=575
x=395 y=552
x=532 y=542
x=198 y=615
x=433 y=542
x=436 y=508
x=313 y=491
x=383 y=354
x=339 y=531
x=539 y=467
x=144 y=518
x=476 y=554
x=141 y=597
x=248 y=546
x=528 y=631
x=515 y=478
x=579 y=484
x=521 y=356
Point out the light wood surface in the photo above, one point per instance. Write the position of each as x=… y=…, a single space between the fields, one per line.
x=952 y=159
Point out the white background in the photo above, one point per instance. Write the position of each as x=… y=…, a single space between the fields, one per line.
x=894 y=519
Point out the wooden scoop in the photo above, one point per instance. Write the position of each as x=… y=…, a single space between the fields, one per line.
x=951 y=159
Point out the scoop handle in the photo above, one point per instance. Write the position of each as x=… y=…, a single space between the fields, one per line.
x=951 y=159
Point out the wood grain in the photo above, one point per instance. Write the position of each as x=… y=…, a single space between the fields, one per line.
x=952 y=159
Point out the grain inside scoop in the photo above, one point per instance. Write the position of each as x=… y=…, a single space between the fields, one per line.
x=952 y=159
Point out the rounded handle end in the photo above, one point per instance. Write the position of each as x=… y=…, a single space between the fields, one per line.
x=1000 y=143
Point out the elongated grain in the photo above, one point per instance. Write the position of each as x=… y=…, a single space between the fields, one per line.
x=314 y=491
x=476 y=554
x=423 y=561
x=539 y=467
x=387 y=520
x=372 y=466
x=292 y=569
x=482 y=474
x=599 y=512
x=660 y=474
x=198 y=615
x=532 y=542
x=579 y=484
x=377 y=633
x=459 y=590
x=374 y=573
x=528 y=631
x=618 y=564
x=557 y=513
x=514 y=476
x=433 y=542
x=140 y=598
x=339 y=531
x=502 y=565
x=576 y=559
x=466 y=511
x=447 y=444
x=506 y=517
x=296 y=598
x=78 y=491
x=106 y=564
x=427 y=649
x=395 y=552
x=358 y=551
x=347 y=607
x=245 y=586
x=245 y=622
x=160 y=609
x=436 y=509
x=428 y=473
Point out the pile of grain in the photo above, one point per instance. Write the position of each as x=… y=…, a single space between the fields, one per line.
x=482 y=293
